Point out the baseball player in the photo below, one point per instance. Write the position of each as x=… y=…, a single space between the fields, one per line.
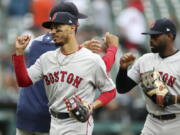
x=66 y=71
x=162 y=102
x=33 y=100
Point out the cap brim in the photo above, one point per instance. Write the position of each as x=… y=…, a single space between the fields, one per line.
x=152 y=32
x=49 y=23
x=82 y=16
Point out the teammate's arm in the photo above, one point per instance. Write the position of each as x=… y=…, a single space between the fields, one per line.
x=111 y=41
x=93 y=45
x=123 y=82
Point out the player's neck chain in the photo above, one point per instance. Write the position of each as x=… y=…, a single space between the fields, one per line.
x=64 y=59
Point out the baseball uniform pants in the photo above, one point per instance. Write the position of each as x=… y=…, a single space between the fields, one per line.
x=154 y=126
x=70 y=126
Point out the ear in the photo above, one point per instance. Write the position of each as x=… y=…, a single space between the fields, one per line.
x=170 y=36
x=73 y=28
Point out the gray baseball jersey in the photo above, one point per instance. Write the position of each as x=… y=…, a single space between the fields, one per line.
x=169 y=68
x=80 y=73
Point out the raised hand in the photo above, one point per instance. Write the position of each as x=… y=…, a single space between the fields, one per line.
x=93 y=45
x=126 y=60
x=111 y=39
x=21 y=44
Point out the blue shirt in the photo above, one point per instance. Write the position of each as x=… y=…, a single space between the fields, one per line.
x=32 y=109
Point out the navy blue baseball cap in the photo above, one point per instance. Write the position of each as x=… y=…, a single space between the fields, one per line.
x=61 y=18
x=162 y=26
x=67 y=7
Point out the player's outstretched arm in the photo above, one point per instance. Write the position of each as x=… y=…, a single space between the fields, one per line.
x=22 y=77
x=93 y=45
x=112 y=42
x=111 y=45
x=123 y=82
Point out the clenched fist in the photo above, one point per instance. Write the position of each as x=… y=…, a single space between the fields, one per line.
x=21 y=44
x=126 y=60
x=111 y=39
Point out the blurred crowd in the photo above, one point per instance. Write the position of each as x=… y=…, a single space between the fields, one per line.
x=125 y=18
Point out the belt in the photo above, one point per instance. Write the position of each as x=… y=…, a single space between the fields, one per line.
x=60 y=115
x=164 y=117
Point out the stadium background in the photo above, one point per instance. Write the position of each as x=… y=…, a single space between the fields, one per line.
x=127 y=18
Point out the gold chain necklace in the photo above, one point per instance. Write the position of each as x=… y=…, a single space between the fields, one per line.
x=66 y=60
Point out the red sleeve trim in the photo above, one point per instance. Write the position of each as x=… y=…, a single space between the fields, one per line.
x=106 y=97
x=109 y=57
x=22 y=77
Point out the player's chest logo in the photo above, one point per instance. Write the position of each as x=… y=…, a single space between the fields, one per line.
x=62 y=76
x=168 y=79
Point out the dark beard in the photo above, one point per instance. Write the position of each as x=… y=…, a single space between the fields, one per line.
x=60 y=44
x=159 y=49
x=154 y=50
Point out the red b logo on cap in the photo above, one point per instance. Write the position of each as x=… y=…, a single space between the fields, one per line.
x=54 y=16
x=151 y=24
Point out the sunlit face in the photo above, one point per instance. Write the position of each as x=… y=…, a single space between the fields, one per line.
x=158 y=43
x=61 y=33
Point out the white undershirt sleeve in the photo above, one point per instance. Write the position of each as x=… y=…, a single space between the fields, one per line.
x=134 y=72
x=103 y=82
x=35 y=71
